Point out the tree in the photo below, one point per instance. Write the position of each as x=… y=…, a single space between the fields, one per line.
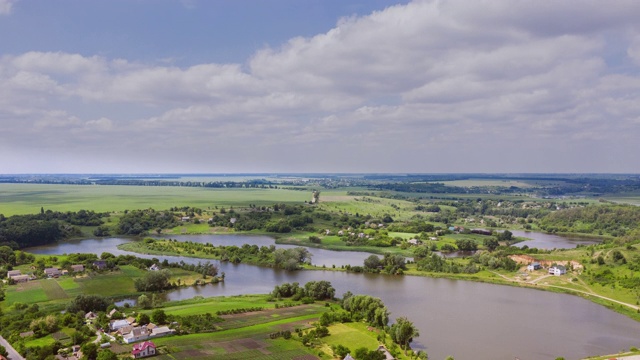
x=340 y=351
x=7 y=256
x=154 y=281
x=89 y=351
x=88 y=303
x=364 y=354
x=319 y=290
x=372 y=262
x=505 y=236
x=144 y=302
x=143 y=319
x=158 y=316
x=402 y=332
x=491 y=243
x=3 y=351
x=107 y=354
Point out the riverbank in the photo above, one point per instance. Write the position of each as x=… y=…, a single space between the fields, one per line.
x=569 y=284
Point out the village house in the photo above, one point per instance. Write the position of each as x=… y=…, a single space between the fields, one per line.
x=413 y=241
x=12 y=273
x=143 y=349
x=558 y=270
x=21 y=278
x=77 y=268
x=161 y=331
x=100 y=264
x=534 y=266
x=348 y=357
x=118 y=324
x=136 y=334
x=154 y=267
x=52 y=272
x=125 y=330
x=386 y=353
x=90 y=315
x=340 y=233
x=327 y=232
x=185 y=218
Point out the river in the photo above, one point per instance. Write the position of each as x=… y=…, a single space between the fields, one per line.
x=464 y=319
x=549 y=241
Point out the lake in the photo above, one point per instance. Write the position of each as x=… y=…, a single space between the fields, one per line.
x=550 y=241
x=464 y=319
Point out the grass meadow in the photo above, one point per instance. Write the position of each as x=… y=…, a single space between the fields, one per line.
x=29 y=198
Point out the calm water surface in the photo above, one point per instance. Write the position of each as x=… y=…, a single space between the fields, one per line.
x=549 y=241
x=464 y=319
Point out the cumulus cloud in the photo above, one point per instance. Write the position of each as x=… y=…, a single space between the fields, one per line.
x=6 y=6
x=447 y=76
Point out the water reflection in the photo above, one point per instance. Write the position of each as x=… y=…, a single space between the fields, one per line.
x=464 y=319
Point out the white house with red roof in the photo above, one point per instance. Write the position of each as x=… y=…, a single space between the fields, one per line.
x=143 y=349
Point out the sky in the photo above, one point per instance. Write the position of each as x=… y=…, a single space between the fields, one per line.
x=423 y=86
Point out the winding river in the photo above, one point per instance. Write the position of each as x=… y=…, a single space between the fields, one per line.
x=464 y=319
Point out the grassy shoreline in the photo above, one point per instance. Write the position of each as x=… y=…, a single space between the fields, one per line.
x=483 y=276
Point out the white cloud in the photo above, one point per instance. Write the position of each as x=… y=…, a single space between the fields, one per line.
x=446 y=76
x=6 y=6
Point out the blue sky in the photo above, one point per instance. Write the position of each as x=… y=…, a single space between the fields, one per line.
x=319 y=86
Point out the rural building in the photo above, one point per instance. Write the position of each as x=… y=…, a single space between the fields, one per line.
x=100 y=264
x=534 y=266
x=154 y=267
x=481 y=232
x=185 y=218
x=20 y=278
x=119 y=324
x=136 y=334
x=558 y=270
x=385 y=352
x=413 y=241
x=348 y=357
x=90 y=315
x=340 y=232
x=52 y=272
x=161 y=331
x=12 y=273
x=233 y=220
x=125 y=330
x=143 y=349
x=77 y=268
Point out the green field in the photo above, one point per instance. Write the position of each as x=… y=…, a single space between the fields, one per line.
x=53 y=290
x=29 y=198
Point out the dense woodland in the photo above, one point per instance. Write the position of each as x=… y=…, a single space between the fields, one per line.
x=44 y=228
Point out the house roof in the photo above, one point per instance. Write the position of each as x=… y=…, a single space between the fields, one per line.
x=137 y=331
x=161 y=330
x=90 y=314
x=139 y=347
x=119 y=324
